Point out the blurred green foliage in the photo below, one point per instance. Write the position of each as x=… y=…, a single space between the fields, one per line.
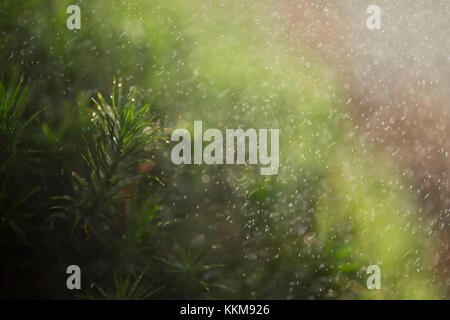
x=73 y=192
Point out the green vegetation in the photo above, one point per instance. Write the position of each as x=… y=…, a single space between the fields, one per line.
x=91 y=183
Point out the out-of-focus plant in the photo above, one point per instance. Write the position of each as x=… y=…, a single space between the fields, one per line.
x=125 y=288
x=13 y=156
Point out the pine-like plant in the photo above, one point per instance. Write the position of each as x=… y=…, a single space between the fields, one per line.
x=116 y=151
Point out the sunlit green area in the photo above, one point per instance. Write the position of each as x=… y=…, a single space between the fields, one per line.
x=91 y=183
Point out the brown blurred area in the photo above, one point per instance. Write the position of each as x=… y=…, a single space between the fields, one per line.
x=396 y=83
